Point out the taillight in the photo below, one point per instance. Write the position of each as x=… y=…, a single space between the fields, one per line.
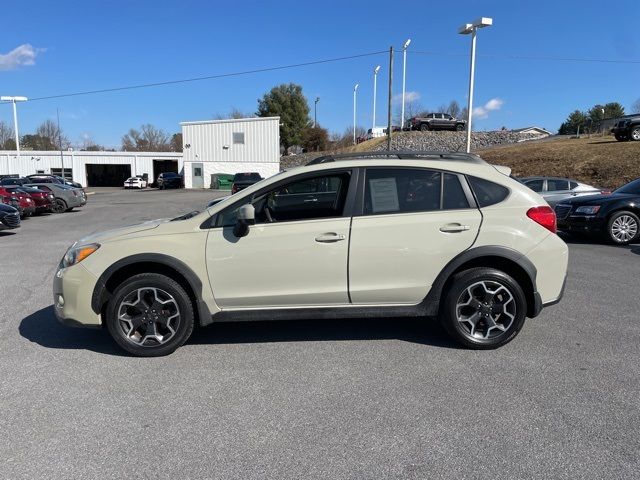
x=544 y=216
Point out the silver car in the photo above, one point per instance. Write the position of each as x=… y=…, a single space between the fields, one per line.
x=66 y=197
x=556 y=189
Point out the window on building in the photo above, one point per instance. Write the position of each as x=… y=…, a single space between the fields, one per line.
x=68 y=173
x=238 y=138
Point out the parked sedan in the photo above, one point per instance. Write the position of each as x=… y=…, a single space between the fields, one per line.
x=20 y=200
x=66 y=198
x=555 y=190
x=615 y=216
x=43 y=200
x=9 y=217
x=169 y=180
x=135 y=182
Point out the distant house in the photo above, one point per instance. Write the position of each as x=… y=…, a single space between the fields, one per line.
x=537 y=132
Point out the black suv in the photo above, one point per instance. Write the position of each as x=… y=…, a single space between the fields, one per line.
x=169 y=180
x=627 y=129
x=437 y=121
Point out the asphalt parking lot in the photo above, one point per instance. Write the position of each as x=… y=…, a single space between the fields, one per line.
x=334 y=399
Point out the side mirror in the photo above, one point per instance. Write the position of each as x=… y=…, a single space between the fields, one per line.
x=246 y=217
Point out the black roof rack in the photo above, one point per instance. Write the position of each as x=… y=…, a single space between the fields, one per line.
x=400 y=154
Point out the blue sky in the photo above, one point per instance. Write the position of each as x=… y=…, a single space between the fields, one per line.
x=88 y=45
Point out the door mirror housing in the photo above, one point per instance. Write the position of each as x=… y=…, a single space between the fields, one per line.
x=246 y=217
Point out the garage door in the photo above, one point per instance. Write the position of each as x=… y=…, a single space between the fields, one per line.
x=107 y=175
x=162 y=166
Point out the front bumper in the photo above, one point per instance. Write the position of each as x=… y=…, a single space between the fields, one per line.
x=582 y=224
x=72 y=290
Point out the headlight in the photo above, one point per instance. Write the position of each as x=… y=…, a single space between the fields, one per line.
x=590 y=210
x=77 y=254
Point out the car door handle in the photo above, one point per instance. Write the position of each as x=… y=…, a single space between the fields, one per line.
x=454 y=227
x=307 y=200
x=330 y=238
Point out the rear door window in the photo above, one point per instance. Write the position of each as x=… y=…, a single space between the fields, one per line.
x=535 y=185
x=555 y=184
x=487 y=192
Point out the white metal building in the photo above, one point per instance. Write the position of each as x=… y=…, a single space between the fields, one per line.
x=230 y=146
x=91 y=169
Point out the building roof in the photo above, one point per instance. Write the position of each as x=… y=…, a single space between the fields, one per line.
x=518 y=130
x=232 y=120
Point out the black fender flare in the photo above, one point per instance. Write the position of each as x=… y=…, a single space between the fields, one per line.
x=432 y=300
x=101 y=295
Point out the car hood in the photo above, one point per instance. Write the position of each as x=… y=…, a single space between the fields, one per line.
x=595 y=199
x=120 y=232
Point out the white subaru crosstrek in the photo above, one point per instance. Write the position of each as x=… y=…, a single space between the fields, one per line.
x=383 y=234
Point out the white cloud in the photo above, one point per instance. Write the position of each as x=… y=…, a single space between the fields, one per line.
x=490 y=106
x=408 y=97
x=20 y=56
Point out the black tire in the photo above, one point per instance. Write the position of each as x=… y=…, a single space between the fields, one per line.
x=624 y=236
x=165 y=285
x=59 y=206
x=620 y=137
x=424 y=127
x=498 y=281
x=459 y=128
x=634 y=134
x=69 y=209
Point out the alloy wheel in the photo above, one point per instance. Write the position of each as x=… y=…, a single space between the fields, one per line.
x=624 y=228
x=635 y=134
x=485 y=310
x=148 y=316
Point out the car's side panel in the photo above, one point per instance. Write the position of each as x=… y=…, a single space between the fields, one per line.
x=395 y=258
x=280 y=264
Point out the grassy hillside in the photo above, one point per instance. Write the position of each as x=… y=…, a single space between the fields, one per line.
x=601 y=162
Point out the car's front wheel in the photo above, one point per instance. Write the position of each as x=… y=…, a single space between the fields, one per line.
x=459 y=128
x=484 y=308
x=424 y=127
x=150 y=315
x=623 y=227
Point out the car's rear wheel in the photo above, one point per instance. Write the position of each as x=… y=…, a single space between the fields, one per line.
x=459 y=128
x=59 y=206
x=484 y=308
x=635 y=134
x=150 y=315
x=623 y=227
x=620 y=137
x=424 y=127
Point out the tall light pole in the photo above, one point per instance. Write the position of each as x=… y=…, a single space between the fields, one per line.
x=355 y=93
x=375 y=88
x=315 y=112
x=466 y=29
x=13 y=100
x=404 y=75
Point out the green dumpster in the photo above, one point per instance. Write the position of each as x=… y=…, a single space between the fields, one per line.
x=221 y=181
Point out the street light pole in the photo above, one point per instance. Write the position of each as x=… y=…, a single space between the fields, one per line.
x=404 y=74
x=315 y=112
x=375 y=88
x=13 y=100
x=466 y=29
x=355 y=92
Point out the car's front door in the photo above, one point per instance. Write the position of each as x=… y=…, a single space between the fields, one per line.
x=295 y=254
x=414 y=221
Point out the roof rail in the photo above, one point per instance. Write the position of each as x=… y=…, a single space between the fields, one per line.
x=399 y=154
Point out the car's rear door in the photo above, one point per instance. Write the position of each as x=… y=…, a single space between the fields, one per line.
x=557 y=189
x=413 y=221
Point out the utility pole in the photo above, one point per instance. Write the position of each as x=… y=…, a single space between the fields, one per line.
x=315 y=112
x=60 y=143
x=355 y=94
x=390 y=98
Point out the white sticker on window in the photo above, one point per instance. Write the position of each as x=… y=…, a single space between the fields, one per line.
x=384 y=195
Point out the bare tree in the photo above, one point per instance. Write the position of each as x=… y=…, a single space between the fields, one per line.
x=453 y=109
x=234 y=113
x=147 y=139
x=6 y=136
x=635 y=108
x=50 y=134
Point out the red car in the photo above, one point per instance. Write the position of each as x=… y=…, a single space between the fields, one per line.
x=25 y=204
x=43 y=200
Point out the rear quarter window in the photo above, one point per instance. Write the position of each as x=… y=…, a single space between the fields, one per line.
x=487 y=193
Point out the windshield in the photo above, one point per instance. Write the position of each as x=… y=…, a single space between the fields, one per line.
x=239 y=177
x=632 y=188
x=169 y=174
